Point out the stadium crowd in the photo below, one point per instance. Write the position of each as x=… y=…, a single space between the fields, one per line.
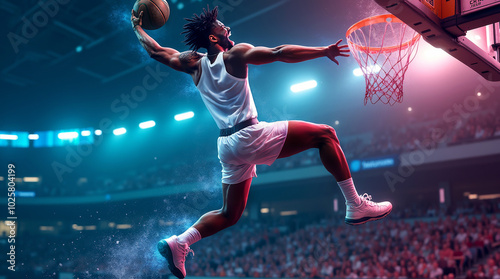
x=400 y=248
x=464 y=243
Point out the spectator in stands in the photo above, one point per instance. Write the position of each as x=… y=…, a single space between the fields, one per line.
x=490 y=268
x=497 y=273
x=480 y=274
x=458 y=255
x=462 y=235
x=496 y=257
x=435 y=272
x=470 y=275
x=446 y=261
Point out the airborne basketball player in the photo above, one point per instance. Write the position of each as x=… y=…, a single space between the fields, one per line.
x=221 y=76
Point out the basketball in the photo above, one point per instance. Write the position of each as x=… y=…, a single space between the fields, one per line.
x=156 y=13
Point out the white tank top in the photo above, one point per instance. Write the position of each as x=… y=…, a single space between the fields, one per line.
x=228 y=98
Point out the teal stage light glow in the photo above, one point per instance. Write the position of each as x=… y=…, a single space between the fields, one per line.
x=299 y=87
x=147 y=124
x=119 y=131
x=184 y=116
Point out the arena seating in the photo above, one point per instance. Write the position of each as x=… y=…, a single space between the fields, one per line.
x=464 y=243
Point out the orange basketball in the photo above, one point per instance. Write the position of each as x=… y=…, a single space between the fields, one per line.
x=156 y=13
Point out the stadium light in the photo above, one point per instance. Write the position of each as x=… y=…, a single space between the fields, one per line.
x=288 y=213
x=357 y=72
x=85 y=133
x=147 y=124
x=31 y=179
x=372 y=69
x=442 y=197
x=46 y=228
x=98 y=132
x=119 y=131
x=8 y=137
x=123 y=226
x=67 y=135
x=77 y=228
x=184 y=116
x=33 y=136
x=432 y=54
x=299 y=87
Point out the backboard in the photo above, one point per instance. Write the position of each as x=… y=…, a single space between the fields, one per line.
x=466 y=29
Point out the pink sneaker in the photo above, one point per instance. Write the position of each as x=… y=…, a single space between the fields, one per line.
x=175 y=253
x=366 y=211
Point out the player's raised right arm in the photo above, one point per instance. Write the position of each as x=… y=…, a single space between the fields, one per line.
x=165 y=55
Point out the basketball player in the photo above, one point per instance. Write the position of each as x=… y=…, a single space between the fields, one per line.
x=221 y=76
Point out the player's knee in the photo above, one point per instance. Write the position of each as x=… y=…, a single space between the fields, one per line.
x=231 y=217
x=327 y=134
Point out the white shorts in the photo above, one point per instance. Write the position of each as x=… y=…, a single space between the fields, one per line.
x=258 y=144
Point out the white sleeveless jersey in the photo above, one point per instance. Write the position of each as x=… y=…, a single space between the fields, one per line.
x=228 y=98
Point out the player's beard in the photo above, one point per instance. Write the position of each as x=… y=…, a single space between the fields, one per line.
x=227 y=43
x=230 y=44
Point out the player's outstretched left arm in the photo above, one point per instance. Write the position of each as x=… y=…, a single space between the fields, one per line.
x=288 y=53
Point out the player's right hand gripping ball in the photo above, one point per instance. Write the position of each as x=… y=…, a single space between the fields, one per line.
x=155 y=13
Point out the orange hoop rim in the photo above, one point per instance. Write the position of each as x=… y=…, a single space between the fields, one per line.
x=375 y=20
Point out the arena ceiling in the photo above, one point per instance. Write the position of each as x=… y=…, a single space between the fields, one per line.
x=66 y=62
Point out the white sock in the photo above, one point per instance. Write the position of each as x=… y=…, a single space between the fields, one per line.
x=350 y=194
x=190 y=236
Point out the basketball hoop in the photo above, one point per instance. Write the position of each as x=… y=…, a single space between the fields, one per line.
x=384 y=46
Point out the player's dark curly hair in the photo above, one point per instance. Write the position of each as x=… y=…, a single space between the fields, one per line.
x=198 y=29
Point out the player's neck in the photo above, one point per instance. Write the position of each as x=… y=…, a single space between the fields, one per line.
x=214 y=50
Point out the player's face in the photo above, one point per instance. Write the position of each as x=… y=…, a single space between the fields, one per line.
x=223 y=32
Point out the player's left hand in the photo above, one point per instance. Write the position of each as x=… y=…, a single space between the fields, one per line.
x=335 y=50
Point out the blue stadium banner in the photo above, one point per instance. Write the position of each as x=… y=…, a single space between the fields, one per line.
x=373 y=163
x=25 y=194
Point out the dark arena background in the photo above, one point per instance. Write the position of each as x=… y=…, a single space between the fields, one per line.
x=107 y=151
